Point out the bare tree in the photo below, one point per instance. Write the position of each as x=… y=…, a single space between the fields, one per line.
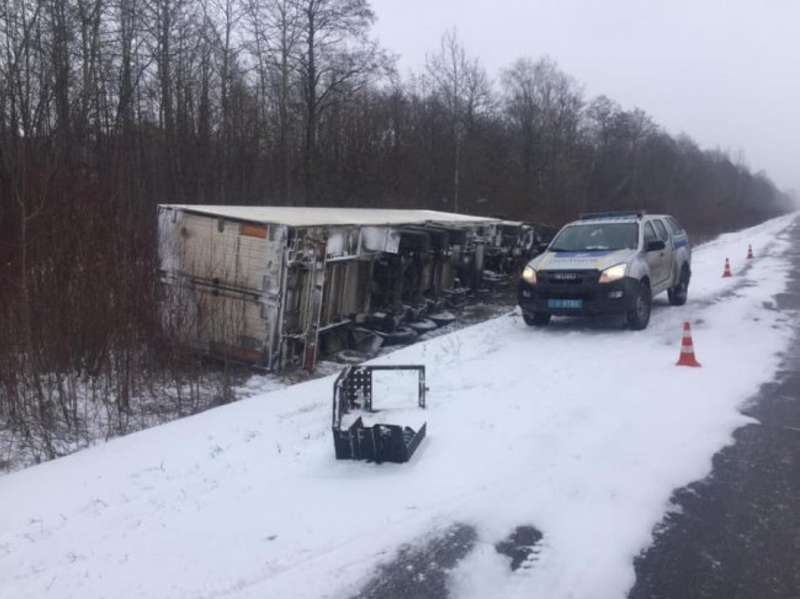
x=462 y=86
x=336 y=57
x=544 y=108
x=275 y=35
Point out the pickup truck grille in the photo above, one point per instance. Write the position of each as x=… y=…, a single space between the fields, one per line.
x=568 y=277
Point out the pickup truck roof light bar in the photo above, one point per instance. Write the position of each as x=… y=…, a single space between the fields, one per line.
x=620 y=214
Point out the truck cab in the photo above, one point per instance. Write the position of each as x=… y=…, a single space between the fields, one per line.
x=608 y=263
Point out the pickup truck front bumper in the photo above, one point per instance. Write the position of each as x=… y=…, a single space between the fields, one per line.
x=577 y=294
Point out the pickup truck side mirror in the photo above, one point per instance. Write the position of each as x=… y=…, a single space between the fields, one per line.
x=655 y=246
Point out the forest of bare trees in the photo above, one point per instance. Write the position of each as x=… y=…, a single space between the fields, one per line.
x=110 y=107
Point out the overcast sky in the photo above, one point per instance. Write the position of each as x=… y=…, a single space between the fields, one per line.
x=727 y=72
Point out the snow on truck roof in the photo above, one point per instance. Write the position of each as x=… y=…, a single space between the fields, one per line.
x=310 y=217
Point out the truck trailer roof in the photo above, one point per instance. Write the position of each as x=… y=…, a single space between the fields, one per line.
x=295 y=216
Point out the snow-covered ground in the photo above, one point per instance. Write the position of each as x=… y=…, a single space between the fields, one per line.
x=581 y=430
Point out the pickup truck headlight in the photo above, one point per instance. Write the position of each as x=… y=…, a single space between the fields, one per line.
x=529 y=275
x=614 y=273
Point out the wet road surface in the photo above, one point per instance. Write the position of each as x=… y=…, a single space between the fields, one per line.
x=421 y=571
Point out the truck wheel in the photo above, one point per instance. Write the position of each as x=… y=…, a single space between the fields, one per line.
x=678 y=294
x=537 y=319
x=639 y=314
x=400 y=336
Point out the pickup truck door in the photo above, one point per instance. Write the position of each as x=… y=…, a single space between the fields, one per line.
x=667 y=254
x=656 y=261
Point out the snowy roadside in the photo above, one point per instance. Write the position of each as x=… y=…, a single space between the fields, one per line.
x=496 y=303
x=581 y=430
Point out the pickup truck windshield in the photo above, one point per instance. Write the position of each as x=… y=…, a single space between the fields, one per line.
x=597 y=237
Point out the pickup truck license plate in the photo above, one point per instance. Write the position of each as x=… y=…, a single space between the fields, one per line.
x=575 y=304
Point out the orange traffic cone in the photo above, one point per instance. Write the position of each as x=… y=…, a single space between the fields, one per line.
x=749 y=252
x=687 y=348
x=727 y=272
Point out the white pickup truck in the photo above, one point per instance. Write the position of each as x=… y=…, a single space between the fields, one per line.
x=608 y=263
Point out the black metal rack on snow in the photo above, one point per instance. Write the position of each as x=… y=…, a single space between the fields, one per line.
x=378 y=443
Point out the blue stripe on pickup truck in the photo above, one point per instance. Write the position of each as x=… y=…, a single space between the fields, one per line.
x=679 y=243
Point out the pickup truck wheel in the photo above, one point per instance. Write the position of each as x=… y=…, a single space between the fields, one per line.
x=639 y=314
x=537 y=319
x=678 y=294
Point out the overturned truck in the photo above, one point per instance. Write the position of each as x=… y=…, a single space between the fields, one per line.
x=277 y=287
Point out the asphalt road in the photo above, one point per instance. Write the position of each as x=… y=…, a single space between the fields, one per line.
x=737 y=532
